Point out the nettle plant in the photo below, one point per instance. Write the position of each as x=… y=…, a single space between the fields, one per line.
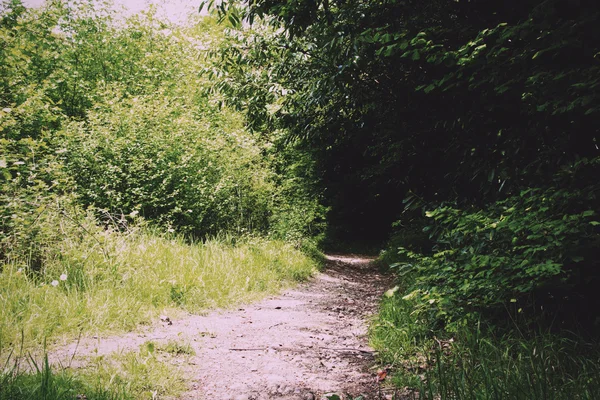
x=534 y=249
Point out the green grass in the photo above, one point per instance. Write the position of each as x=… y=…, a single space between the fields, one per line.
x=176 y=348
x=475 y=364
x=101 y=280
x=128 y=376
x=115 y=281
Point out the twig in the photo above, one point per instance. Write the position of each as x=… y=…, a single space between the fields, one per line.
x=247 y=349
x=357 y=350
x=300 y=350
x=104 y=252
x=76 y=347
x=273 y=326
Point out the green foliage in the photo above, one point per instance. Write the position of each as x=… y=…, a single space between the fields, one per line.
x=112 y=151
x=481 y=113
x=111 y=116
x=176 y=348
x=32 y=182
x=136 y=375
x=196 y=170
x=543 y=367
x=452 y=101
x=298 y=214
x=540 y=242
x=45 y=384
x=525 y=268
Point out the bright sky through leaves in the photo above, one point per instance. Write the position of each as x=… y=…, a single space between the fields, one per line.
x=175 y=10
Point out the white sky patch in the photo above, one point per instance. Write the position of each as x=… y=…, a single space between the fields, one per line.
x=175 y=11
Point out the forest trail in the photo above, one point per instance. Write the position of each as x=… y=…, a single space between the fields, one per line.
x=298 y=345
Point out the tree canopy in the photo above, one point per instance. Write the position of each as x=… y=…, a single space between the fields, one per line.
x=407 y=106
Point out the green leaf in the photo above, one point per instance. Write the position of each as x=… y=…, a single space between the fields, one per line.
x=429 y=88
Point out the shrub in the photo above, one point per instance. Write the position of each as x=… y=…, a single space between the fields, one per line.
x=533 y=249
x=196 y=170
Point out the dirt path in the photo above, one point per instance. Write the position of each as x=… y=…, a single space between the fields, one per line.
x=298 y=345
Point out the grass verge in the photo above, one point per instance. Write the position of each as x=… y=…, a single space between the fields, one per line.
x=128 y=376
x=110 y=281
x=103 y=280
x=474 y=363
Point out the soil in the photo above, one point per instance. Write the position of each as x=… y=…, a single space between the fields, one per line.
x=300 y=345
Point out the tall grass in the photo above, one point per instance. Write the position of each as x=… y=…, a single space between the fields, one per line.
x=484 y=367
x=105 y=280
x=477 y=364
x=130 y=376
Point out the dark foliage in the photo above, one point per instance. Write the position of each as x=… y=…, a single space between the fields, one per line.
x=411 y=106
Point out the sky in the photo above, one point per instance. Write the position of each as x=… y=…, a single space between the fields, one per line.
x=175 y=10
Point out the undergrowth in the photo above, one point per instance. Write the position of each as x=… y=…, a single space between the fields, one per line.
x=478 y=363
x=498 y=301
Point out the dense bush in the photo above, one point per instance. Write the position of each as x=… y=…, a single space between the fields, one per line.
x=112 y=115
x=194 y=169
x=533 y=249
x=33 y=194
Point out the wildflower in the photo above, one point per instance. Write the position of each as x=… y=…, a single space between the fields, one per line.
x=63 y=277
x=54 y=283
x=56 y=32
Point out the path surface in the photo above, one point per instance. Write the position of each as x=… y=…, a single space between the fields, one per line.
x=299 y=345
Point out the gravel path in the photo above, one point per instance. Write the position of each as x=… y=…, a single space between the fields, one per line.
x=299 y=345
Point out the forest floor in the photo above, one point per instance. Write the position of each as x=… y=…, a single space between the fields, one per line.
x=301 y=344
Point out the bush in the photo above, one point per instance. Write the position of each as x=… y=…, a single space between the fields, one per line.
x=33 y=195
x=530 y=252
x=195 y=170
